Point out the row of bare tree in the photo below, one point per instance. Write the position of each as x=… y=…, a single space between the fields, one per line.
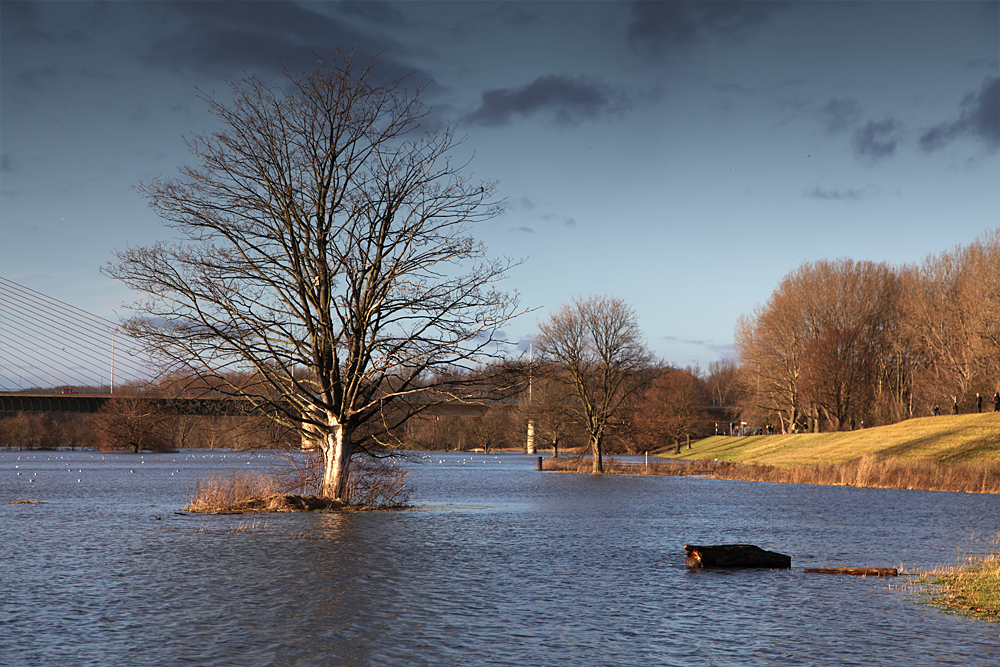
x=843 y=343
x=134 y=424
x=594 y=387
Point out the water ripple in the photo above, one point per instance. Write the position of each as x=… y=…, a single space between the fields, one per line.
x=499 y=565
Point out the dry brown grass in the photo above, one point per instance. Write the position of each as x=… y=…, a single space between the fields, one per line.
x=613 y=466
x=875 y=472
x=240 y=491
x=374 y=484
x=867 y=471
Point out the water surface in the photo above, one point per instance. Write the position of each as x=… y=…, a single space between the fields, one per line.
x=497 y=564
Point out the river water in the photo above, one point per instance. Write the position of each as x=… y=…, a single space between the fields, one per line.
x=497 y=564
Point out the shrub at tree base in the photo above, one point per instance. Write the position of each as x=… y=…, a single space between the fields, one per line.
x=374 y=484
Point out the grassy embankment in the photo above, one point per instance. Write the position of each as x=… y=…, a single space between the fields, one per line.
x=952 y=453
x=947 y=453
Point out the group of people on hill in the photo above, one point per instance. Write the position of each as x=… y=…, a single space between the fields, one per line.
x=979 y=404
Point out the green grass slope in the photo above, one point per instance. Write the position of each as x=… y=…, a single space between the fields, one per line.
x=946 y=439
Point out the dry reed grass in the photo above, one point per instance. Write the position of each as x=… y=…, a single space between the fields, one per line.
x=613 y=466
x=237 y=491
x=872 y=471
x=868 y=471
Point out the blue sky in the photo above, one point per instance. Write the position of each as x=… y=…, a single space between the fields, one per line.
x=683 y=156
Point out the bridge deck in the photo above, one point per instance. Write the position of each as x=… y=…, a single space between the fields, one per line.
x=11 y=403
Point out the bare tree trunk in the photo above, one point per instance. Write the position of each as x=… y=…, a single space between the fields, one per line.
x=338 y=447
x=337 y=444
x=595 y=449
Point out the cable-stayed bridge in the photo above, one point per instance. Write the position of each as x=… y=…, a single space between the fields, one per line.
x=46 y=344
x=55 y=357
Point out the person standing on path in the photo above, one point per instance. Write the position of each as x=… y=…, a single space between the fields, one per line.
x=996 y=402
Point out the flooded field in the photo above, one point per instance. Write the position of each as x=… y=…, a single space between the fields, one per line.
x=497 y=564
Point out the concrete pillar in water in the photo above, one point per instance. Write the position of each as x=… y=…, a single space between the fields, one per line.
x=531 y=436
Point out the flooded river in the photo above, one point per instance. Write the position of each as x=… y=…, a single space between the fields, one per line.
x=497 y=564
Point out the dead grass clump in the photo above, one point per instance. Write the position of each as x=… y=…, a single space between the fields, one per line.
x=250 y=491
x=972 y=588
x=231 y=492
x=374 y=483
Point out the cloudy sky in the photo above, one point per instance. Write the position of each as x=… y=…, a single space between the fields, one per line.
x=683 y=156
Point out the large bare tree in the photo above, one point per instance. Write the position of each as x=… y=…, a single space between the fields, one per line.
x=599 y=351
x=953 y=320
x=325 y=255
x=777 y=343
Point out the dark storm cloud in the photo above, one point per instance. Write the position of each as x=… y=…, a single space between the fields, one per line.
x=94 y=74
x=24 y=17
x=35 y=78
x=380 y=13
x=877 y=140
x=227 y=39
x=570 y=99
x=979 y=119
x=6 y=163
x=658 y=28
x=12 y=10
x=840 y=114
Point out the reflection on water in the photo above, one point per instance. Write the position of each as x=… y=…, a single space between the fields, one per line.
x=496 y=564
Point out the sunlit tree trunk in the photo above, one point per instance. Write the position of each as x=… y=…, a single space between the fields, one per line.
x=338 y=447
x=596 y=442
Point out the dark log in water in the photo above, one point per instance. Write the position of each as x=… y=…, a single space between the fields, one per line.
x=734 y=555
x=857 y=571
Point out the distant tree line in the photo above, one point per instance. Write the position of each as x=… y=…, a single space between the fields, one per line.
x=844 y=343
x=134 y=419
x=840 y=344
x=126 y=425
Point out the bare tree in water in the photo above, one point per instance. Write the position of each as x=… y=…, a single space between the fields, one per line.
x=325 y=255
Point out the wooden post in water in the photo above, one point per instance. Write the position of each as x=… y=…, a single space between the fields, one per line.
x=539 y=463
